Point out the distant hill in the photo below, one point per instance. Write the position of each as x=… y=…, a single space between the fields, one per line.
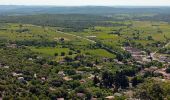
x=19 y=10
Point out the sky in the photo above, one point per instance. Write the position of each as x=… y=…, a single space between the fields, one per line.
x=88 y=2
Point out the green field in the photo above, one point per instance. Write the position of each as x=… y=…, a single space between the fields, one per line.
x=50 y=51
x=100 y=53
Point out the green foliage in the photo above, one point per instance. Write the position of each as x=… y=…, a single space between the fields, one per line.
x=152 y=90
x=41 y=62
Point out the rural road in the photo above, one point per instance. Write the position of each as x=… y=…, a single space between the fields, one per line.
x=92 y=41
x=77 y=36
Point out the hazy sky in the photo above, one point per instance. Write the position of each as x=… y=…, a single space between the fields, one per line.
x=87 y=2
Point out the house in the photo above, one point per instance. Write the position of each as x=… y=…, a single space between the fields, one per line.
x=30 y=59
x=61 y=73
x=164 y=59
x=117 y=94
x=60 y=98
x=3 y=66
x=11 y=45
x=43 y=78
x=105 y=59
x=81 y=95
x=110 y=97
x=167 y=60
x=39 y=57
x=137 y=57
x=46 y=65
x=136 y=53
x=52 y=89
x=151 y=69
x=22 y=80
x=94 y=98
x=98 y=66
x=91 y=76
x=163 y=72
x=16 y=74
x=91 y=37
x=6 y=67
x=67 y=78
x=82 y=81
x=80 y=72
x=35 y=75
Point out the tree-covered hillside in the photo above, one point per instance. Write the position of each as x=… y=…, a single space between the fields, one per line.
x=10 y=10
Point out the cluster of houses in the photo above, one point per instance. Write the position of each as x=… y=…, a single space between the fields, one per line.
x=82 y=96
x=163 y=73
x=11 y=45
x=164 y=59
x=67 y=78
x=19 y=75
x=4 y=66
x=156 y=70
x=137 y=54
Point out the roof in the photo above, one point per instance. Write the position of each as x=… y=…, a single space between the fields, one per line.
x=60 y=98
x=80 y=94
x=110 y=97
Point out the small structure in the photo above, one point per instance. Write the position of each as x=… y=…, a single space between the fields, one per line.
x=110 y=97
x=67 y=78
x=39 y=57
x=151 y=69
x=7 y=67
x=118 y=94
x=46 y=65
x=22 y=80
x=82 y=81
x=105 y=59
x=43 y=78
x=91 y=37
x=61 y=73
x=35 y=75
x=163 y=72
x=11 y=45
x=16 y=74
x=80 y=72
x=52 y=89
x=30 y=59
x=93 y=98
x=91 y=76
x=60 y=98
x=81 y=95
x=137 y=54
x=4 y=66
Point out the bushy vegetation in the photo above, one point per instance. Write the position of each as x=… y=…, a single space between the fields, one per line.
x=77 y=56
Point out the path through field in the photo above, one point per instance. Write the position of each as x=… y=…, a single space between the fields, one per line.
x=92 y=41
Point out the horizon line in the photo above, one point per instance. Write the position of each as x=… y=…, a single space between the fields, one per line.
x=87 y=5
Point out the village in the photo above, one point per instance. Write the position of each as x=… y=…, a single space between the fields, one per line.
x=85 y=56
x=142 y=57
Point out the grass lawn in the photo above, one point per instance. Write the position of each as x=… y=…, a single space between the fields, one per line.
x=100 y=53
x=50 y=51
